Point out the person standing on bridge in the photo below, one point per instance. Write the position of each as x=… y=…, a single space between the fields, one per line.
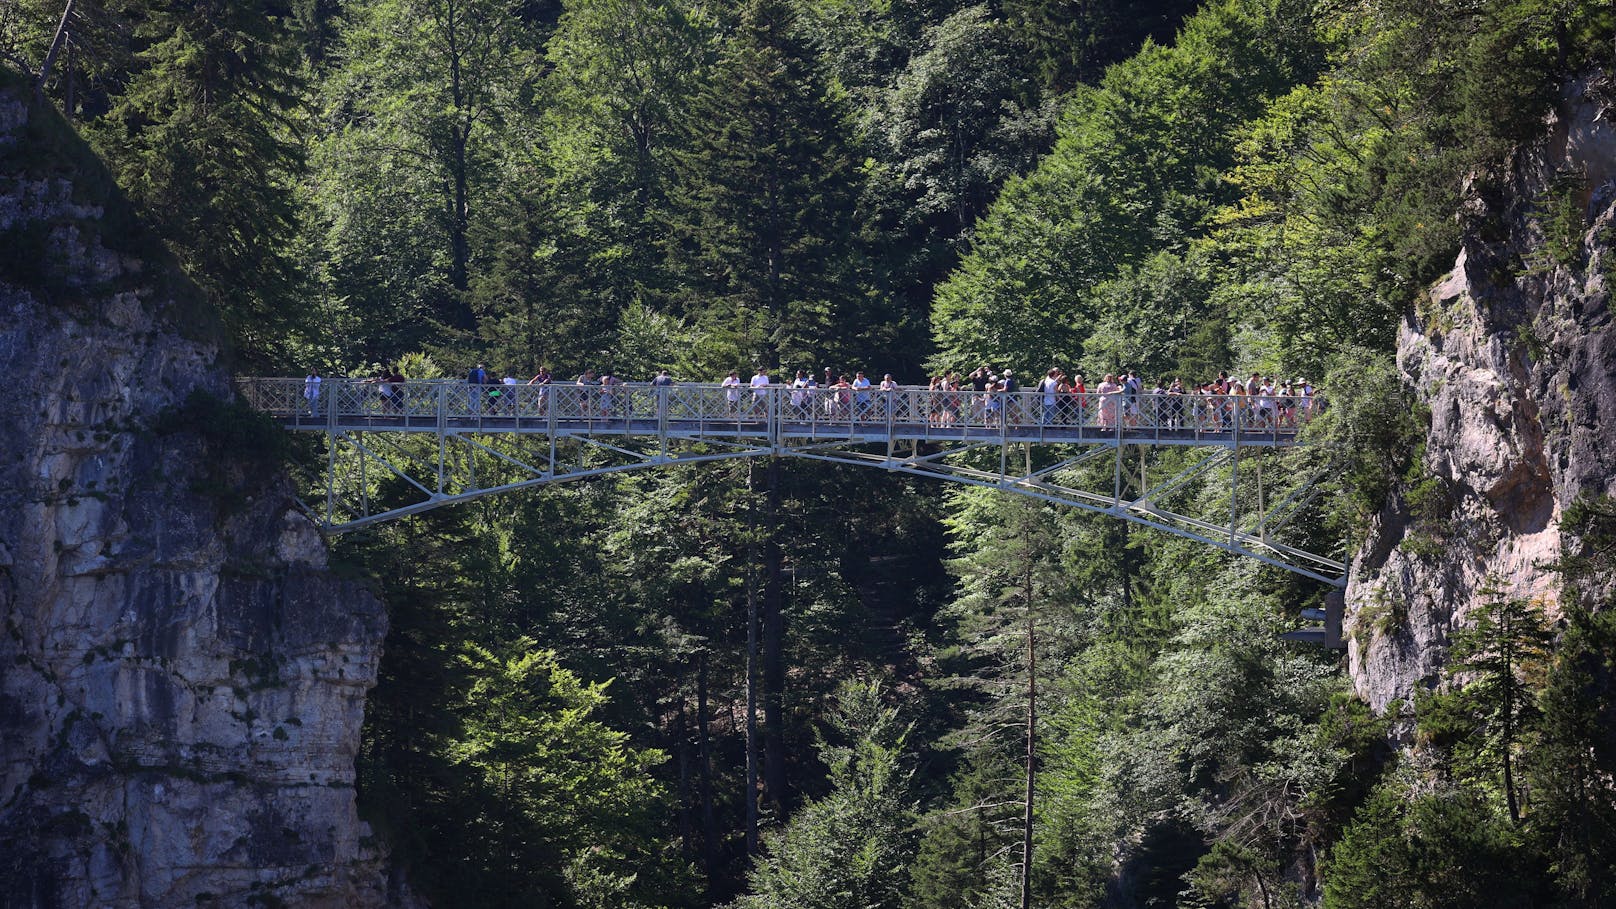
x=760 y=390
x=889 y=397
x=1078 y=411
x=588 y=396
x=311 y=390
x=542 y=379
x=475 y=380
x=799 y=395
x=1049 y=390
x=609 y=396
x=861 y=396
x=659 y=387
x=395 y=379
x=1110 y=394
x=1265 y=405
x=1156 y=405
x=732 y=391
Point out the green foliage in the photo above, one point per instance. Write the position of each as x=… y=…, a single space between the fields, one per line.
x=1564 y=219
x=231 y=431
x=493 y=759
x=204 y=138
x=1373 y=423
x=1430 y=850
x=762 y=214
x=547 y=777
x=416 y=108
x=1073 y=41
x=850 y=849
x=1571 y=770
x=1588 y=529
x=1487 y=718
x=1127 y=177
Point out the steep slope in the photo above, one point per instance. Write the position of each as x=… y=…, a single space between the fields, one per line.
x=182 y=677
x=1514 y=355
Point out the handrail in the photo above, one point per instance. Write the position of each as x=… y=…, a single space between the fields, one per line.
x=779 y=410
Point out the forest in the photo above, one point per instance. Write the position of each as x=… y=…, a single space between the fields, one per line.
x=767 y=686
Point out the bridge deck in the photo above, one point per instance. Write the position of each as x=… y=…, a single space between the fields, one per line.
x=759 y=431
x=779 y=415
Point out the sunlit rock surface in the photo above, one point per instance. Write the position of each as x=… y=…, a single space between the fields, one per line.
x=1514 y=355
x=182 y=678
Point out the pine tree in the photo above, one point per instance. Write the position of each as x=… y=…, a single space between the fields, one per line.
x=1016 y=605
x=204 y=137
x=763 y=224
x=1572 y=765
x=417 y=109
x=1497 y=662
x=850 y=849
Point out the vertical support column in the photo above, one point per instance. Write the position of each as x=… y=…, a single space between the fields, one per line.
x=1004 y=434
x=331 y=454
x=662 y=418
x=1121 y=415
x=772 y=412
x=890 y=402
x=443 y=428
x=1234 y=493
x=364 y=480
x=553 y=394
x=1262 y=506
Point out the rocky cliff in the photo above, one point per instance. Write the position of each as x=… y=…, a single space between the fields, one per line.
x=1514 y=355
x=182 y=676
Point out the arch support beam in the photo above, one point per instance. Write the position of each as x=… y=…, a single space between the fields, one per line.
x=428 y=445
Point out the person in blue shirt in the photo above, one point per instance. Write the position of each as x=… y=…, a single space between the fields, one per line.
x=475 y=380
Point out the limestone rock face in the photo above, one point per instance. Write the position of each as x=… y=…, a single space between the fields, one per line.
x=1514 y=354
x=182 y=677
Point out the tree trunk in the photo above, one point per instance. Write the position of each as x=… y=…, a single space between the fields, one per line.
x=709 y=816
x=681 y=738
x=751 y=669
x=460 y=218
x=1032 y=744
x=55 y=46
x=459 y=203
x=774 y=669
x=1509 y=766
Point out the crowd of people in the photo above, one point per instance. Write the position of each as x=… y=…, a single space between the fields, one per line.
x=984 y=397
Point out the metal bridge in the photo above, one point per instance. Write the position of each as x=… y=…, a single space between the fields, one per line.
x=449 y=442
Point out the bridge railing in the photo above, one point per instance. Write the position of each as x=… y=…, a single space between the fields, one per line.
x=910 y=412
